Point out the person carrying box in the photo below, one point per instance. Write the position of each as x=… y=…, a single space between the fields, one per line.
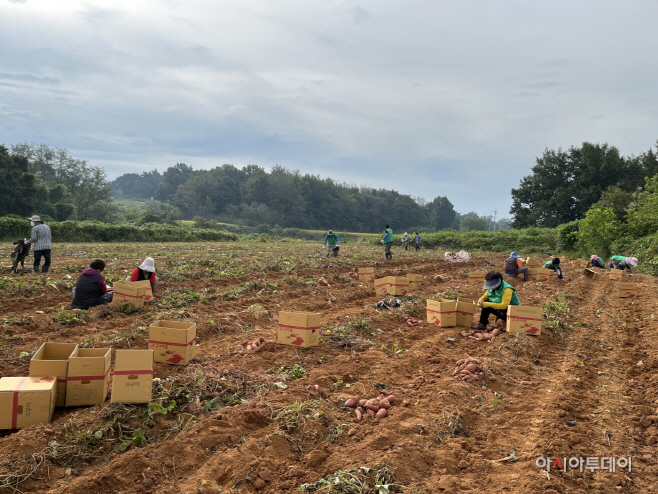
x=496 y=299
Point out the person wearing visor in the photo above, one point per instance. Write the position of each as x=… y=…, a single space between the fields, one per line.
x=621 y=262
x=498 y=296
x=146 y=271
x=555 y=266
x=513 y=267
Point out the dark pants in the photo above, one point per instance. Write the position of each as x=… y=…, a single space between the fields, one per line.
x=523 y=271
x=417 y=247
x=37 y=260
x=487 y=311
x=406 y=246
x=387 y=250
x=597 y=264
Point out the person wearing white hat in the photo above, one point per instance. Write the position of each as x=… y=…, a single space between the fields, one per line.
x=146 y=271
x=41 y=239
x=405 y=240
x=621 y=262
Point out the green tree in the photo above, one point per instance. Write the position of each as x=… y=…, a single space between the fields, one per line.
x=472 y=222
x=18 y=188
x=172 y=178
x=597 y=231
x=441 y=213
x=643 y=215
x=136 y=185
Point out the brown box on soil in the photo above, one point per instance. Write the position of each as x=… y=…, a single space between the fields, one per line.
x=617 y=274
x=414 y=280
x=52 y=359
x=132 y=381
x=127 y=293
x=391 y=285
x=88 y=377
x=366 y=274
x=524 y=319
x=592 y=275
x=627 y=289
x=465 y=310
x=476 y=278
x=540 y=274
x=299 y=328
x=580 y=263
x=442 y=312
x=172 y=342
x=146 y=284
x=533 y=262
x=26 y=401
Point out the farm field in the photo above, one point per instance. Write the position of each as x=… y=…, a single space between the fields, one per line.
x=233 y=421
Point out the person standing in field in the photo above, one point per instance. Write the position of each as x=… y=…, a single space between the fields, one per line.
x=331 y=241
x=405 y=240
x=387 y=240
x=417 y=240
x=41 y=239
x=513 y=267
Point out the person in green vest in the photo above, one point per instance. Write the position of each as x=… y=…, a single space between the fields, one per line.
x=498 y=296
x=554 y=264
x=597 y=262
x=331 y=241
x=621 y=262
x=387 y=240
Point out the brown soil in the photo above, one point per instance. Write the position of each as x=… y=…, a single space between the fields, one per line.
x=600 y=372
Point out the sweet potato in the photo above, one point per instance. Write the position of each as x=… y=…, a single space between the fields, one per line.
x=460 y=361
x=351 y=432
x=370 y=412
x=249 y=348
x=381 y=413
x=261 y=339
x=352 y=401
x=362 y=402
x=374 y=408
x=390 y=399
x=244 y=343
x=358 y=413
x=385 y=404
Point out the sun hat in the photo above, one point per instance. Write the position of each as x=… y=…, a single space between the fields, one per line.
x=406 y=233
x=330 y=232
x=148 y=265
x=515 y=255
x=492 y=284
x=36 y=217
x=594 y=256
x=632 y=261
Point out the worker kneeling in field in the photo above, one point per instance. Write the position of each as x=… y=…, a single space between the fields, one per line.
x=555 y=266
x=621 y=262
x=513 y=267
x=146 y=271
x=91 y=289
x=597 y=262
x=496 y=299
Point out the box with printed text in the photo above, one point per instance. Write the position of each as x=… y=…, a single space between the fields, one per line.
x=128 y=293
x=88 y=377
x=367 y=274
x=299 y=328
x=524 y=319
x=26 y=401
x=627 y=289
x=132 y=380
x=442 y=312
x=173 y=342
x=465 y=310
x=391 y=285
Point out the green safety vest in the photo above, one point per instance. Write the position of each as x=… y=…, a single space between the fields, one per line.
x=496 y=296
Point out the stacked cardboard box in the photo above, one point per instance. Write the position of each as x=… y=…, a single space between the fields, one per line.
x=26 y=401
x=299 y=328
x=172 y=342
x=391 y=285
x=523 y=319
x=132 y=381
x=442 y=312
x=627 y=289
x=88 y=376
x=366 y=274
x=533 y=262
x=52 y=359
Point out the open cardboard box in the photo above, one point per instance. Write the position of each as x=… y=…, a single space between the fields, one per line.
x=524 y=319
x=26 y=401
x=146 y=284
x=52 y=359
x=299 y=328
x=88 y=377
x=442 y=312
x=465 y=310
x=132 y=380
x=617 y=274
x=592 y=275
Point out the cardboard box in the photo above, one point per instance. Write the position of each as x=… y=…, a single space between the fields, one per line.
x=617 y=274
x=88 y=377
x=414 y=280
x=580 y=263
x=540 y=274
x=26 y=401
x=592 y=275
x=128 y=293
x=299 y=328
x=146 y=284
x=391 y=285
x=366 y=274
x=465 y=310
x=52 y=359
x=476 y=278
x=132 y=380
x=627 y=289
x=173 y=342
x=533 y=262
x=442 y=312
x=524 y=319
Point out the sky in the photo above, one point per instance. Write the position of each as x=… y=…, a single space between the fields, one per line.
x=429 y=98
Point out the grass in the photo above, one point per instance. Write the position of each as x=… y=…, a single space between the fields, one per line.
x=359 y=480
x=556 y=312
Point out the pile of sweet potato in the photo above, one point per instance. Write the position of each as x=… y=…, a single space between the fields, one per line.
x=256 y=345
x=481 y=335
x=411 y=321
x=472 y=370
x=375 y=407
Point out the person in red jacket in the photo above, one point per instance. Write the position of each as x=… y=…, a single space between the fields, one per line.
x=146 y=271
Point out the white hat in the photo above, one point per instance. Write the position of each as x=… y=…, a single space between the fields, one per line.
x=632 y=261
x=36 y=217
x=148 y=265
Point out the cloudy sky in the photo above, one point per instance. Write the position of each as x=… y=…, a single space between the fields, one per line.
x=430 y=98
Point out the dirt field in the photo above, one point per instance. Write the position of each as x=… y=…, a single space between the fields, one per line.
x=254 y=422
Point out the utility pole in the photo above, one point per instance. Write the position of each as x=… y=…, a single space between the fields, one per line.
x=494 y=222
